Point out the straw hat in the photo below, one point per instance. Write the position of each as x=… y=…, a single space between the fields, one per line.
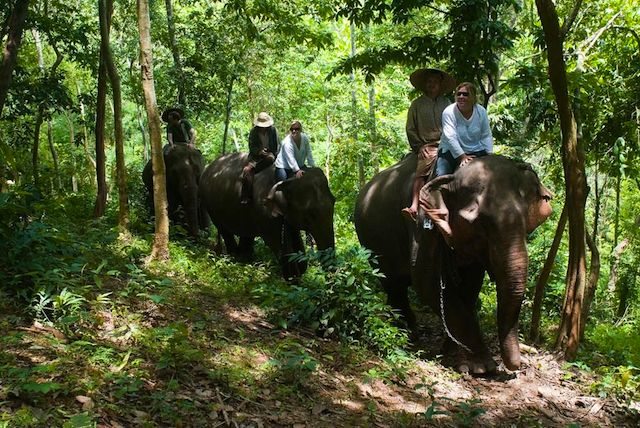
x=263 y=120
x=419 y=77
x=165 y=114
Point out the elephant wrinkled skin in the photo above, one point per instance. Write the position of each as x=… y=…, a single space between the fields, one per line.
x=493 y=203
x=184 y=167
x=277 y=212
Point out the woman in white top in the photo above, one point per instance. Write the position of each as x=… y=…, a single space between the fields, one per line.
x=465 y=131
x=295 y=154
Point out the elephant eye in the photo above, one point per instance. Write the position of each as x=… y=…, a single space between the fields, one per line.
x=547 y=198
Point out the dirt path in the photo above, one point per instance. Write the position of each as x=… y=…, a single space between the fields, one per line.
x=340 y=394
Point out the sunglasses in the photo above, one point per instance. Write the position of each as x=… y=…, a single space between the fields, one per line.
x=294 y=129
x=462 y=94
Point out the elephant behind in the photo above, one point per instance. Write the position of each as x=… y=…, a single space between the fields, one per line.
x=493 y=203
x=277 y=212
x=184 y=166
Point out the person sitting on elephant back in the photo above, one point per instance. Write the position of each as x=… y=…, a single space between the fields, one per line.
x=294 y=152
x=424 y=125
x=263 y=147
x=466 y=135
x=179 y=130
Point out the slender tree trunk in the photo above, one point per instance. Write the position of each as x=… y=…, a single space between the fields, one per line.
x=85 y=135
x=15 y=28
x=227 y=114
x=35 y=163
x=54 y=156
x=105 y=11
x=179 y=75
x=160 y=249
x=543 y=279
x=575 y=183
x=101 y=105
x=354 y=110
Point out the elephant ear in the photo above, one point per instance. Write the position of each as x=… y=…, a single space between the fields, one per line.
x=275 y=201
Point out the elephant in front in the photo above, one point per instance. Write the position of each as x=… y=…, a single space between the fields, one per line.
x=277 y=212
x=493 y=203
x=184 y=166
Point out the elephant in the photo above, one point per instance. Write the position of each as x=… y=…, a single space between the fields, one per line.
x=184 y=166
x=277 y=212
x=493 y=203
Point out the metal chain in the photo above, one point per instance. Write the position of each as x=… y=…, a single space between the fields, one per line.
x=444 y=323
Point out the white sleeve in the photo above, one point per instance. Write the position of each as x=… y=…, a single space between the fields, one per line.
x=486 y=138
x=310 y=160
x=288 y=155
x=450 y=132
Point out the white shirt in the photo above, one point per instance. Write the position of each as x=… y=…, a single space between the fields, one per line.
x=293 y=158
x=461 y=135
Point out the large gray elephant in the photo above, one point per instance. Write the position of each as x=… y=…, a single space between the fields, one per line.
x=184 y=166
x=277 y=212
x=493 y=203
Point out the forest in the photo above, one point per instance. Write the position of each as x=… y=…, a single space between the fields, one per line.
x=115 y=315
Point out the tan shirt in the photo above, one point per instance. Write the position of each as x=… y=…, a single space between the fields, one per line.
x=424 y=121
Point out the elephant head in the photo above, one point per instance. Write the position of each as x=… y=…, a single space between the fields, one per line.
x=305 y=203
x=493 y=203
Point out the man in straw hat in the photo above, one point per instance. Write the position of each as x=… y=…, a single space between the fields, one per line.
x=424 y=124
x=179 y=130
x=263 y=148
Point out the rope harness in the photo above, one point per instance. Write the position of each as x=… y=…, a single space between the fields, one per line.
x=456 y=280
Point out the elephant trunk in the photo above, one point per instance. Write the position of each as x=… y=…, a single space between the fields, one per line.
x=510 y=261
x=189 y=190
x=323 y=233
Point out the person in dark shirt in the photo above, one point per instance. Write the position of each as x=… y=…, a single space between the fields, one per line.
x=263 y=148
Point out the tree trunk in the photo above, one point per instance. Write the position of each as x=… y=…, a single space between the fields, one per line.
x=614 y=287
x=35 y=163
x=543 y=279
x=354 y=110
x=179 y=75
x=227 y=114
x=101 y=105
x=575 y=184
x=54 y=155
x=160 y=249
x=15 y=27
x=105 y=8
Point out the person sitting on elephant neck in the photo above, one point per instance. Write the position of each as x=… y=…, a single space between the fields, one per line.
x=295 y=154
x=263 y=147
x=179 y=130
x=466 y=135
x=424 y=127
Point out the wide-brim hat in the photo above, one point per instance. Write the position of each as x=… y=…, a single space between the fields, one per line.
x=165 y=114
x=263 y=120
x=419 y=77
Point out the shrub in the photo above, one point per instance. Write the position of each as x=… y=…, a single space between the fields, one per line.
x=344 y=299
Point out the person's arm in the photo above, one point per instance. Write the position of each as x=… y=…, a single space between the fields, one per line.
x=192 y=135
x=310 y=161
x=412 y=128
x=486 y=138
x=288 y=155
x=450 y=132
x=254 y=143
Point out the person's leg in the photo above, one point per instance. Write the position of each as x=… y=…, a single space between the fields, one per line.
x=281 y=174
x=247 y=183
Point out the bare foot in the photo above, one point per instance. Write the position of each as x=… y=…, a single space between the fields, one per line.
x=409 y=213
